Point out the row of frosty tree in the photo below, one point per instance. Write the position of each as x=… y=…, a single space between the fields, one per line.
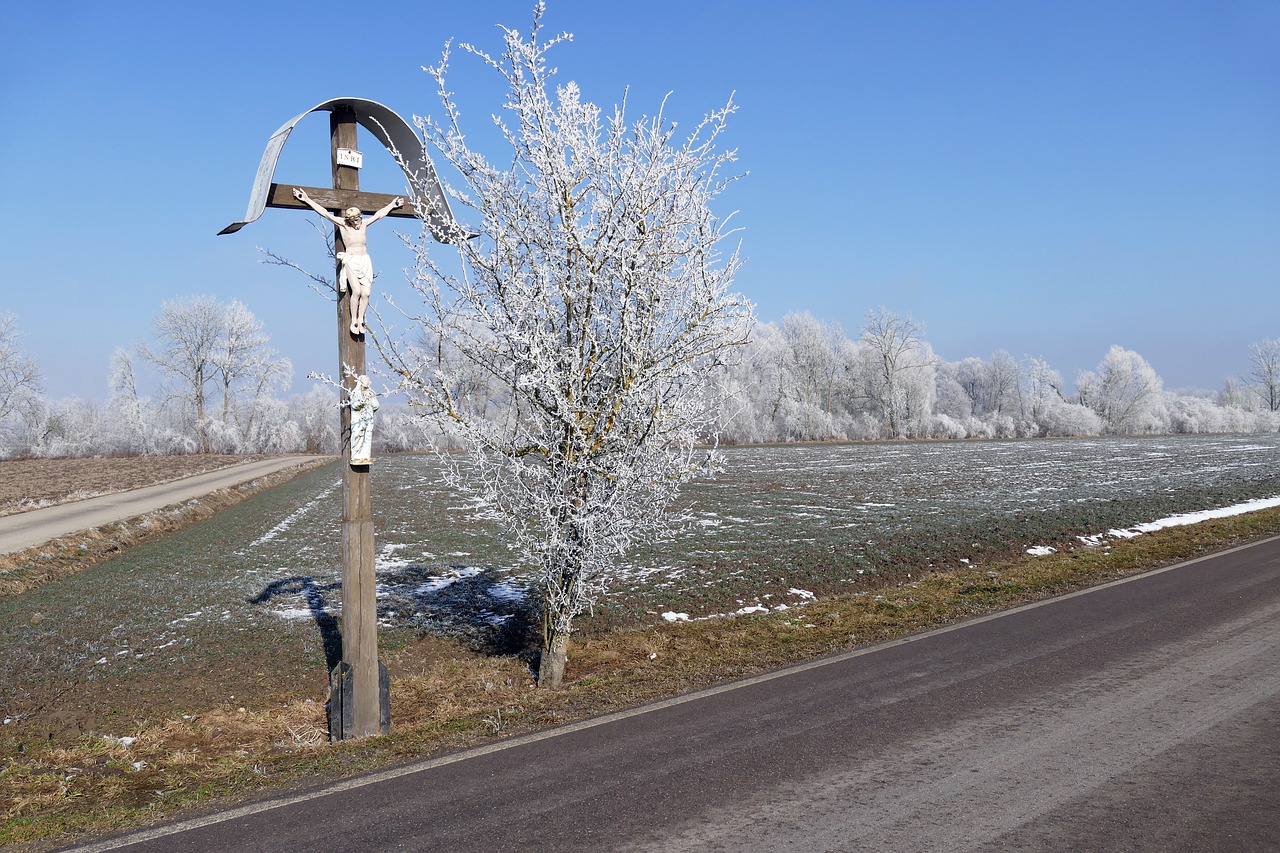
x=797 y=380
x=219 y=392
x=804 y=380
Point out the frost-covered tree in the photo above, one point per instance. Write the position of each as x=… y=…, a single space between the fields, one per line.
x=757 y=387
x=812 y=359
x=1003 y=385
x=1236 y=394
x=203 y=344
x=187 y=333
x=1050 y=411
x=1204 y=411
x=897 y=373
x=1265 y=358
x=71 y=427
x=970 y=375
x=316 y=415
x=246 y=368
x=19 y=382
x=993 y=387
x=596 y=294
x=129 y=416
x=954 y=396
x=807 y=379
x=1125 y=392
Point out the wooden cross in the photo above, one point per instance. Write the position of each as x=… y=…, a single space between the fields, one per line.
x=359 y=705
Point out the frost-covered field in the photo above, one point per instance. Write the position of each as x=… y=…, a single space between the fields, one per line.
x=864 y=506
x=782 y=524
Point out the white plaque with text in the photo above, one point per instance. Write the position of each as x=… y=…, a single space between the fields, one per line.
x=350 y=157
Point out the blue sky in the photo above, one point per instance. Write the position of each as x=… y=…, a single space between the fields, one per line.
x=1049 y=178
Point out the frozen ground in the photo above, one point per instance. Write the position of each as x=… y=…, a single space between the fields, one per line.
x=785 y=523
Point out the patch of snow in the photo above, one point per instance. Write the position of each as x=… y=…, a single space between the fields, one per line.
x=671 y=616
x=437 y=584
x=1206 y=515
x=293 y=613
x=507 y=592
x=386 y=563
x=293 y=518
x=1180 y=520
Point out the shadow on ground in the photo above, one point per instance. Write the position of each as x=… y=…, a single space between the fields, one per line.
x=313 y=594
x=478 y=605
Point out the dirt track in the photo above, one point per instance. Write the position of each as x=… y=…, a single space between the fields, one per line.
x=27 y=484
x=37 y=545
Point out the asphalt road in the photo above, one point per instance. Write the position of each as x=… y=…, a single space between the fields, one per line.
x=35 y=527
x=1140 y=716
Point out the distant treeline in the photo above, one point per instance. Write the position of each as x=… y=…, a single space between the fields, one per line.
x=797 y=380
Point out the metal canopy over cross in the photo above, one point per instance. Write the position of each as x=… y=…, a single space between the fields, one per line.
x=359 y=704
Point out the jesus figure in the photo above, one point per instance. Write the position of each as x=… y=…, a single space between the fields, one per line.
x=356 y=271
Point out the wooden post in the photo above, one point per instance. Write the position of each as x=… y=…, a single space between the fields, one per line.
x=359 y=703
x=358 y=707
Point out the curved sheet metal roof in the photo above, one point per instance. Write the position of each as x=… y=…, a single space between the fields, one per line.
x=389 y=129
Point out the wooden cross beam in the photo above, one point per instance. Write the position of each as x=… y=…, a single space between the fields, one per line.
x=335 y=200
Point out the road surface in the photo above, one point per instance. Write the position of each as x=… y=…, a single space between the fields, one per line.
x=1139 y=716
x=35 y=527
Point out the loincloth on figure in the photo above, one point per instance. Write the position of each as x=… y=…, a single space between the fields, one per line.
x=360 y=267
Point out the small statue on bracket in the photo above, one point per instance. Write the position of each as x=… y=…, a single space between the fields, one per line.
x=363 y=404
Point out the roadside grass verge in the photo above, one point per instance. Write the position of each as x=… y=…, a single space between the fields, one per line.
x=446 y=697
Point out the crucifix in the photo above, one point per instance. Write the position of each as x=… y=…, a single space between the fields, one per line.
x=359 y=703
x=355 y=267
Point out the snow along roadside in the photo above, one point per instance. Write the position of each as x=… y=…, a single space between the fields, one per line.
x=1170 y=521
x=1095 y=540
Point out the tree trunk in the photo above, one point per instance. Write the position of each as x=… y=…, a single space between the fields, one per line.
x=201 y=432
x=555 y=653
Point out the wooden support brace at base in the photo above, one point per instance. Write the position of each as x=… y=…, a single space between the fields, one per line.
x=341 y=708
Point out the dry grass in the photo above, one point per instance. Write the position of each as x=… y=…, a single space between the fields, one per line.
x=445 y=697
